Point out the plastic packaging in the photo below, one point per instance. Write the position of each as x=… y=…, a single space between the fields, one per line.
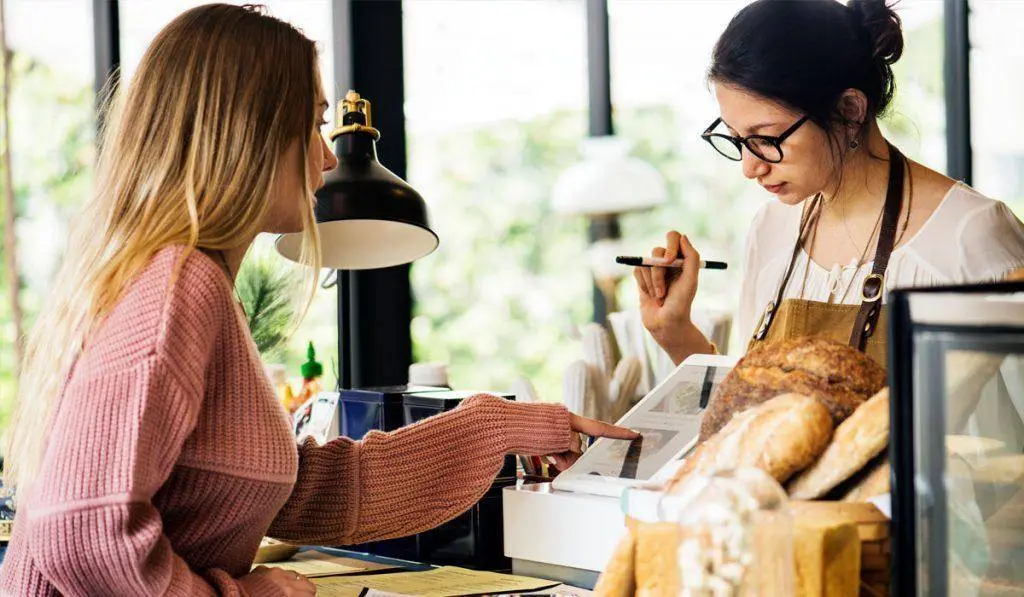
x=735 y=535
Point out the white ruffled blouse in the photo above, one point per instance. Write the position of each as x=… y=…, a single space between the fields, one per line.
x=968 y=239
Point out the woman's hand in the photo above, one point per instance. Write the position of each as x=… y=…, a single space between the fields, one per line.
x=590 y=427
x=291 y=584
x=666 y=298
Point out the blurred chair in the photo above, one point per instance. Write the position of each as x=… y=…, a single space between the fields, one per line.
x=634 y=340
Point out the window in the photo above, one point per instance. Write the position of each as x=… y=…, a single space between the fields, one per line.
x=52 y=151
x=496 y=110
x=916 y=122
x=997 y=83
x=660 y=54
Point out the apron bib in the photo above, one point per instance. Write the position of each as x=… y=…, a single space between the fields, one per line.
x=798 y=318
x=858 y=325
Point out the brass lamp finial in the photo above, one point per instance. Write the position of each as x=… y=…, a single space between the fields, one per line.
x=353 y=103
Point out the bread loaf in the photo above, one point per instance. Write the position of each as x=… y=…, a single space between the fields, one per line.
x=839 y=377
x=781 y=437
x=856 y=441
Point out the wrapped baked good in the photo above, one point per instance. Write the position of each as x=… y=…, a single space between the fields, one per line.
x=856 y=441
x=837 y=376
x=781 y=436
x=734 y=534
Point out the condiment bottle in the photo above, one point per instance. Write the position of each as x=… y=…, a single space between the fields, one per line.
x=311 y=372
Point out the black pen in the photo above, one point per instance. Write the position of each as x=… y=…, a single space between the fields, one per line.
x=658 y=262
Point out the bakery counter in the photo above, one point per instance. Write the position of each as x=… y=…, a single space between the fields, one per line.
x=571 y=537
x=785 y=447
x=564 y=536
x=857 y=478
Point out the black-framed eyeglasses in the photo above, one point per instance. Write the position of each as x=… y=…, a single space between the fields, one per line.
x=764 y=147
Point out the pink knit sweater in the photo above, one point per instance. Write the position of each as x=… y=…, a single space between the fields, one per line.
x=169 y=457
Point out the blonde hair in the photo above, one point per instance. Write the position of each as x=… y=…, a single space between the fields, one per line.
x=188 y=157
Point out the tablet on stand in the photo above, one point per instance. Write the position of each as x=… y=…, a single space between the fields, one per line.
x=668 y=418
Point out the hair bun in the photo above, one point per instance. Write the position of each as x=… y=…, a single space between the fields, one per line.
x=882 y=26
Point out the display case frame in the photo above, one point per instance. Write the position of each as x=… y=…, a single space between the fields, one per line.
x=924 y=326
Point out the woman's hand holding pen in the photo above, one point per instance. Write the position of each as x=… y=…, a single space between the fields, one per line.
x=592 y=428
x=666 y=298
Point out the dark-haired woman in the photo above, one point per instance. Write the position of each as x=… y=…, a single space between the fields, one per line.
x=800 y=86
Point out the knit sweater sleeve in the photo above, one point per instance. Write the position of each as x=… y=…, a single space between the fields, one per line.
x=416 y=478
x=135 y=396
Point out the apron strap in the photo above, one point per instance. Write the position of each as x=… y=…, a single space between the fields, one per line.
x=874 y=283
x=806 y=222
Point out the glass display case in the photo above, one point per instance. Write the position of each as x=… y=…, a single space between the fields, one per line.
x=956 y=365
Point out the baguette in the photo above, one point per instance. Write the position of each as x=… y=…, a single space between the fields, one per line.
x=781 y=437
x=857 y=440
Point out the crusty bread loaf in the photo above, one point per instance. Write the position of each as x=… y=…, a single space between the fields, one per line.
x=856 y=441
x=839 y=377
x=874 y=482
x=781 y=437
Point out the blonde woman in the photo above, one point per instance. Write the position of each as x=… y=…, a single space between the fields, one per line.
x=149 y=453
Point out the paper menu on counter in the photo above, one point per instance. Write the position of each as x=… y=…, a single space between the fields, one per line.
x=561 y=591
x=446 y=581
x=315 y=564
x=556 y=591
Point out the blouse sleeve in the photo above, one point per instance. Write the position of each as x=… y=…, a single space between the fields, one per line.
x=991 y=244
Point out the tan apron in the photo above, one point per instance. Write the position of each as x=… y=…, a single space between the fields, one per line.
x=797 y=318
x=863 y=326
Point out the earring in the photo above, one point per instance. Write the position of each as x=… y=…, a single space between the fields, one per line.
x=854 y=144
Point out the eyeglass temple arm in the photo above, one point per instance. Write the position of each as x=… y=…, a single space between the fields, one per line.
x=711 y=127
x=785 y=135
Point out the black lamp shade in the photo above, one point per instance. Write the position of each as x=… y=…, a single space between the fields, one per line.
x=367 y=217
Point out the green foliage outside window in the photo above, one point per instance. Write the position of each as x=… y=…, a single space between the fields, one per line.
x=53 y=149
x=500 y=296
x=267 y=293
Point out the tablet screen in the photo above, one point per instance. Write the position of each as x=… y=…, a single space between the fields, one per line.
x=668 y=419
